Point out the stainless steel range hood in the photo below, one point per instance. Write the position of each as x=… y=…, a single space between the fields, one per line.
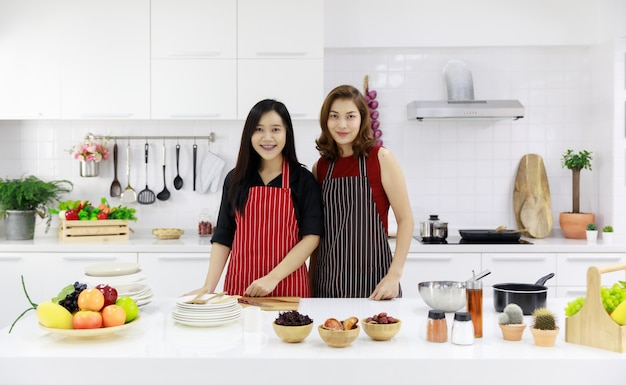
x=461 y=103
x=465 y=109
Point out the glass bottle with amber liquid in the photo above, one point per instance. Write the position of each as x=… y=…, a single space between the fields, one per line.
x=474 y=304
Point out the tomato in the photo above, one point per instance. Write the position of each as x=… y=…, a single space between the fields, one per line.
x=87 y=319
x=113 y=315
x=91 y=299
x=71 y=215
x=130 y=306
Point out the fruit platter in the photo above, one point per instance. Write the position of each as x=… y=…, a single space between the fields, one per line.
x=82 y=311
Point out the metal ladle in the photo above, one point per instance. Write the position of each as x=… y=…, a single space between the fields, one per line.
x=165 y=194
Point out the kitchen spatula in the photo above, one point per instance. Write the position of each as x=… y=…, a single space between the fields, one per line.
x=146 y=196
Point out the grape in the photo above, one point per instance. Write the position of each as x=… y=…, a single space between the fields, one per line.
x=611 y=298
x=70 y=302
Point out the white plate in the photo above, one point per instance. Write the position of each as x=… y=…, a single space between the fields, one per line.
x=114 y=281
x=205 y=323
x=88 y=333
x=134 y=288
x=111 y=269
x=214 y=304
x=204 y=315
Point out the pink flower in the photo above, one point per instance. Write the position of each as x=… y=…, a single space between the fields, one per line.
x=91 y=150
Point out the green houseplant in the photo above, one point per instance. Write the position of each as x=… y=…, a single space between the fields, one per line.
x=592 y=232
x=23 y=198
x=573 y=224
x=607 y=234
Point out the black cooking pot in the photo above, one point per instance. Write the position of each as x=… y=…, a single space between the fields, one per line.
x=528 y=296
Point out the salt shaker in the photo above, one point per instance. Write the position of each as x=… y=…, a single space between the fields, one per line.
x=462 y=329
x=474 y=296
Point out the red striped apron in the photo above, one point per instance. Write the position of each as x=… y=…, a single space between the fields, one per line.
x=354 y=254
x=266 y=232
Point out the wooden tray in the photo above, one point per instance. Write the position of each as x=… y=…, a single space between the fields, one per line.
x=531 y=197
x=273 y=303
x=592 y=325
x=93 y=231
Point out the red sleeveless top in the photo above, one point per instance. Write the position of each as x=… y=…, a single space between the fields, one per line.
x=349 y=166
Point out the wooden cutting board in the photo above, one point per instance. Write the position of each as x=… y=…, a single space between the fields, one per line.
x=274 y=303
x=531 y=197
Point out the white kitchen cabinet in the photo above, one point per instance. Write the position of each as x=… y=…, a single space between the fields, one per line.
x=29 y=60
x=194 y=51
x=173 y=274
x=105 y=55
x=280 y=28
x=420 y=267
x=573 y=268
x=518 y=268
x=12 y=266
x=194 y=89
x=297 y=83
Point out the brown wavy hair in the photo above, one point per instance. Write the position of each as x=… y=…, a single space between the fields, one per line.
x=364 y=140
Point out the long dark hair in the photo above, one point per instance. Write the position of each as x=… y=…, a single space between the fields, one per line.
x=248 y=160
x=364 y=140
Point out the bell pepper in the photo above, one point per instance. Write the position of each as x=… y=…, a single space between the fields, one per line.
x=103 y=215
x=71 y=215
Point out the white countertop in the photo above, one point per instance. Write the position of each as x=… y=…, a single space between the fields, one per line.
x=159 y=351
x=142 y=240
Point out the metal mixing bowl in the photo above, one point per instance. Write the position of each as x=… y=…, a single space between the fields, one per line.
x=448 y=296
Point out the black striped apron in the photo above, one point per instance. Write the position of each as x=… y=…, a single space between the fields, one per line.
x=354 y=254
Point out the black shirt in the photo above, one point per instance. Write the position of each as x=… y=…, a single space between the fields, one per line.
x=307 y=201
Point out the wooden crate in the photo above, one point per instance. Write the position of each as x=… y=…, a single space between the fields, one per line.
x=93 y=231
x=592 y=325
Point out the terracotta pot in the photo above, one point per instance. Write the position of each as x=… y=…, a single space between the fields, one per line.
x=545 y=338
x=574 y=225
x=512 y=332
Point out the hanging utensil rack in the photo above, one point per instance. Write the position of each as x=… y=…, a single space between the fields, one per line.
x=210 y=137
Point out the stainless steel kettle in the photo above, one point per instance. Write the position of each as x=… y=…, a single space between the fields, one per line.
x=433 y=229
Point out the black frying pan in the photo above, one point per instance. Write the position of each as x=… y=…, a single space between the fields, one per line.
x=492 y=236
x=528 y=296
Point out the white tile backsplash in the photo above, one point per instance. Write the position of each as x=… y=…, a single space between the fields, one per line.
x=462 y=170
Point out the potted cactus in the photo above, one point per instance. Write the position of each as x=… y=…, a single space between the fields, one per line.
x=544 y=327
x=511 y=322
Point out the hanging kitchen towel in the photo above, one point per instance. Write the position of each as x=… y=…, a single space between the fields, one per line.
x=211 y=172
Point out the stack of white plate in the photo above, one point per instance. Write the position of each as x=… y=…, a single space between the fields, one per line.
x=220 y=311
x=126 y=278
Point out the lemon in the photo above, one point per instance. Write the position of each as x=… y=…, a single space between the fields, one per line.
x=619 y=314
x=52 y=315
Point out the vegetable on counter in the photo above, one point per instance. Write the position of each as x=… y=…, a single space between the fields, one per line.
x=83 y=210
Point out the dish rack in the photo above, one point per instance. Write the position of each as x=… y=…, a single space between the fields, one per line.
x=592 y=325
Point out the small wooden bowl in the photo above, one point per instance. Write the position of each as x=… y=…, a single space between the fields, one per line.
x=167 y=233
x=338 y=338
x=381 y=332
x=292 y=334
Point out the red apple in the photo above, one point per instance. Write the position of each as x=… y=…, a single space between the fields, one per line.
x=110 y=294
x=87 y=319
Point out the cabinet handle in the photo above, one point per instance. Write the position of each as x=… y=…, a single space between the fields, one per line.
x=299 y=114
x=185 y=258
x=21 y=116
x=10 y=257
x=431 y=257
x=196 y=116
x=91 y=257
x=577 y=293
x=593 y=259
x=195 y=54
x=280 y=53
x=523 y=258
x=112 y=115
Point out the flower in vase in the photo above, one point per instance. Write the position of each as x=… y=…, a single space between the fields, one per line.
x=91 y=149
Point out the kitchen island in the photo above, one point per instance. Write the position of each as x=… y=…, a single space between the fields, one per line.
x=158 y=350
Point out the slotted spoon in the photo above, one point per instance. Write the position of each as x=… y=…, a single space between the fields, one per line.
x=165 y=194
x=146 y=196
x=116 y=187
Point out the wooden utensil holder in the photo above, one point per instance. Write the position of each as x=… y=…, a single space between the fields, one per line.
x=592 y=325
x=93 y=231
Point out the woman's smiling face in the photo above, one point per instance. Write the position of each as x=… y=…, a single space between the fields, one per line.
x=270 y=136
x=344 y=122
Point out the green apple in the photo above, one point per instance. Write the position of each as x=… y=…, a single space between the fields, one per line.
x=130 y=307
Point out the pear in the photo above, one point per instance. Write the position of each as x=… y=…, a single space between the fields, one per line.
x=52 y=315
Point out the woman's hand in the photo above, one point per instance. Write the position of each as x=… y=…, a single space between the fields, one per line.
x=261 y=287
x=387 y=288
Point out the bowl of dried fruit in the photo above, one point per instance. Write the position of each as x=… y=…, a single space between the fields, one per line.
x=381 y=327
x=167 y=233
x=291 y=326
x=339 y=334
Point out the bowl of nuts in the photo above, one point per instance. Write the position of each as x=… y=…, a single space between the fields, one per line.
x=339 y=334
x=381 y=327
x=292 y=326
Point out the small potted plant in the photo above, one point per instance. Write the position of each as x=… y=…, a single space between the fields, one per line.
x=511 y=322
x=544 y=327
x=607 y=234
x=90 y=153
x=592 y=232
x=23 y=198
x=573 y=223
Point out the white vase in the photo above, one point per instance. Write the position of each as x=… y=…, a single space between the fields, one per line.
x=592 y=235
x=607 y=237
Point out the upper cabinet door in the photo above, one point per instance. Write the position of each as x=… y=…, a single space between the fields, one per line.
x=105 y=59
x=280 y=28
x=201 y=29
x=29 y=60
